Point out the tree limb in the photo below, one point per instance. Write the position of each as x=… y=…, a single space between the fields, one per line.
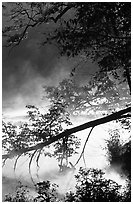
x=61 y=14
x=84 y=147
x=113 y=116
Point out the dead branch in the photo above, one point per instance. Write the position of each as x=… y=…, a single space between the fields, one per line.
x=84 y=146
x=109 y=118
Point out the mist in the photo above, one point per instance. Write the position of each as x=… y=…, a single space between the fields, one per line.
x=25 y=70
x=95 y=157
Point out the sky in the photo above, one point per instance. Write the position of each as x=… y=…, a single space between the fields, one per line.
x=25 y=70
x=28 y=68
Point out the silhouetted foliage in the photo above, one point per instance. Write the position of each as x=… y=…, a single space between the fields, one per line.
x=20 y=195
x=100 y=94
x=119 y=153
x=47 y=192
x=91 y=186
x=41 y=128
x=127 y=192
x=100 y=30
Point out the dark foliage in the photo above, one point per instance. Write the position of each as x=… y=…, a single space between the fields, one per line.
x=91 y=187
x=20 y=195
x=119 y=153
x=41 y=128
x=47 y=192
x=99 y=30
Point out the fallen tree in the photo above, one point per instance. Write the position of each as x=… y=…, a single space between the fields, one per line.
x=114 y=116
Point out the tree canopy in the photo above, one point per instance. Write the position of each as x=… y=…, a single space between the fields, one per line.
x=99 y=30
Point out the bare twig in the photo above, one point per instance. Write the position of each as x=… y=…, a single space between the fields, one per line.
x=84 y=147
x=15 y=164
x=38 y=157
x=4 y=161
x=30 y=165
x=84 y=159
x=37 y=162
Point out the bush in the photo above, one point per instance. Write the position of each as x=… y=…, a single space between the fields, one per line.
x=21 y=195
x=47 y=192
x=93 y=187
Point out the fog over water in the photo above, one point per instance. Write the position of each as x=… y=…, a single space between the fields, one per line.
x=95 y=157
x=25 y=71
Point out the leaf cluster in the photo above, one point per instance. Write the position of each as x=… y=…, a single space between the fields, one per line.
x=93 y=187
x=100 y=93
x=21 y=195
x=12 y=139
x=101 y=30
x=47 y=192
x=119 y=153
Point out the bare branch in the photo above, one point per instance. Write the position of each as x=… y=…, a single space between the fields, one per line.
x=15 y=164
x=30 y=165
x=84 y=146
